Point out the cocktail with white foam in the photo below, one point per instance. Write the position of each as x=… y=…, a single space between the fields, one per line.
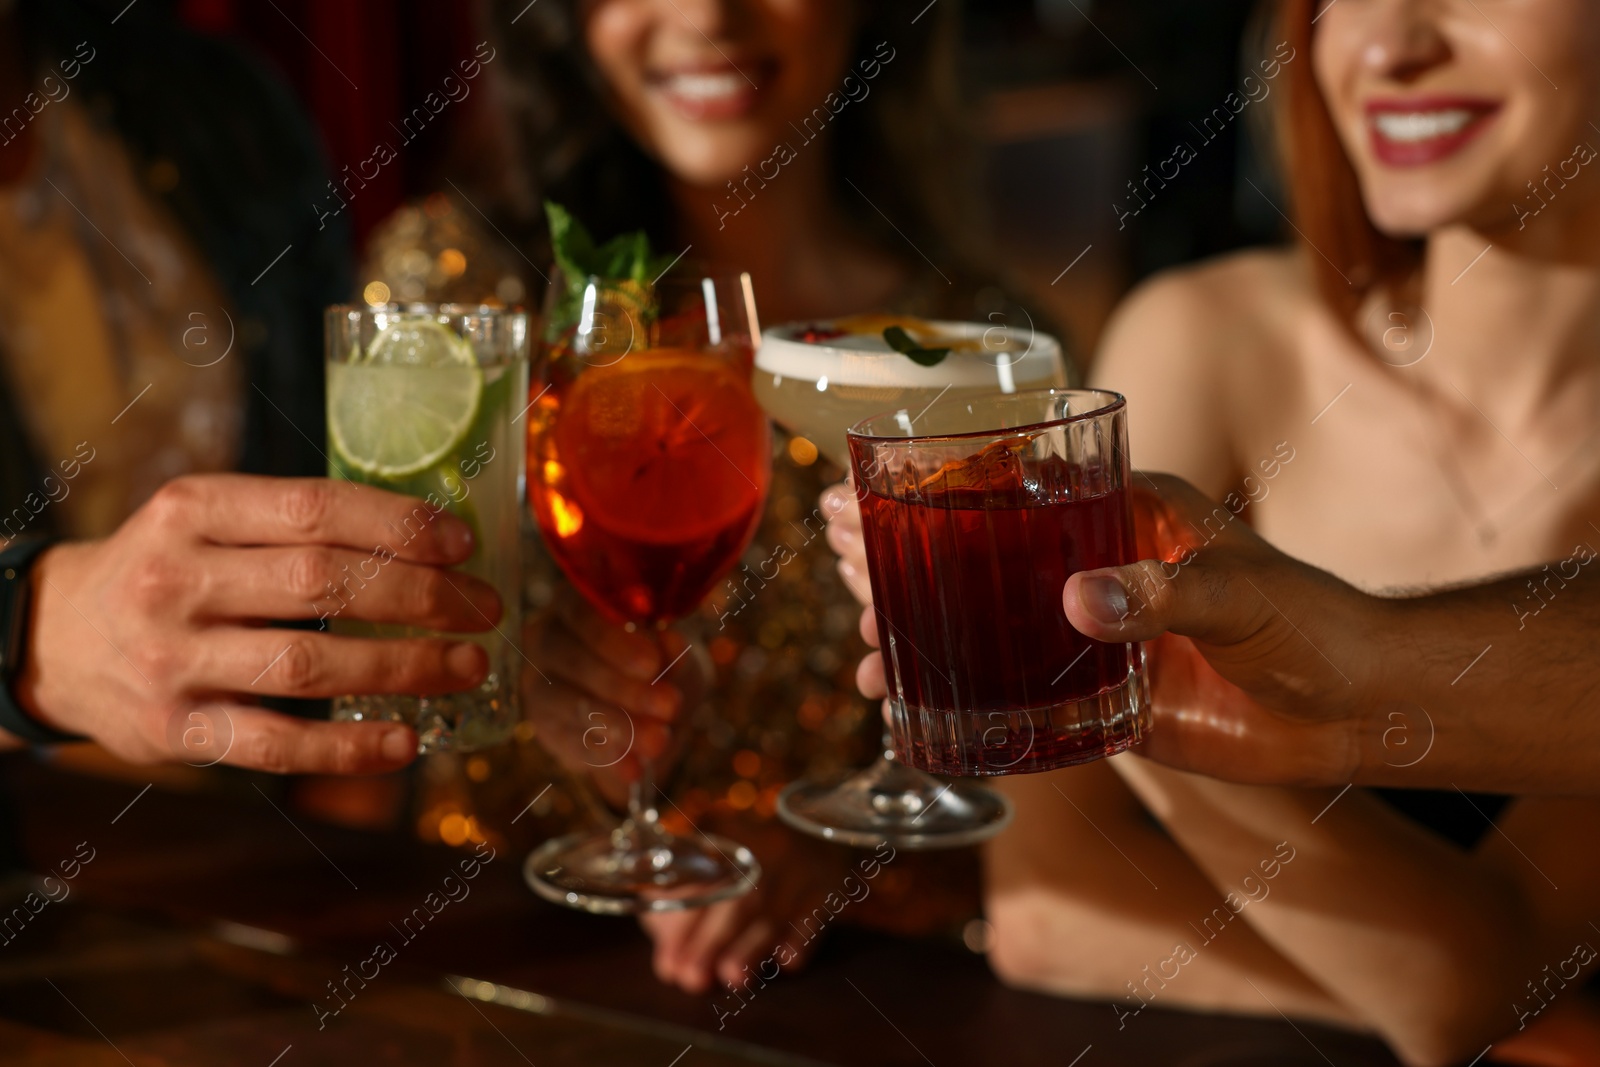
x=817 y=380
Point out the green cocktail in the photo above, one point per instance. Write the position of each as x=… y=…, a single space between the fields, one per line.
x=424 y=400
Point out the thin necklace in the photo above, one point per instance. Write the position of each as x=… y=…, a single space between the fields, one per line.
x=1489 y=527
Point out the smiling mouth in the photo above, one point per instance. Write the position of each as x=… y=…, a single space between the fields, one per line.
x=1409 y=134
x=705 y=86
x=1417 y=126
x=711 y=94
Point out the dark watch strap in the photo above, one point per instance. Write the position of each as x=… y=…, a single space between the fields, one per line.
x=16 y=601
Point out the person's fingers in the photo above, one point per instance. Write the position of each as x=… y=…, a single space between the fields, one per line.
x=844 y=526
x=561 y=714
x=1174 y=520
x=839 y=504
x=587 y=736
x=845 y=540
x=243 y=509
x=1236 y=738
x=319 y=581
x=296 y=663
x=869 y=626
x=668 y=931
x=870 y=678
x=836 y=498
x=698 y=956
x=1211 y=603
x=1193 y=579
x=1169 y=515
x=844 y=537
x=633 y=654
x=672 y=932
x=854 y=573
x=568 y=658
x=799 y=954
x=262 y=740
x=756 y=946
x=744 y=954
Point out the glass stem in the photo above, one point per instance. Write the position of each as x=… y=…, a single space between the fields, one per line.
x=642 y=815
x=888 y=745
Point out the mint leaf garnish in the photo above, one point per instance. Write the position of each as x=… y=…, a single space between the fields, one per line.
x=624 y=258
x=570 y=243
x=901 y=342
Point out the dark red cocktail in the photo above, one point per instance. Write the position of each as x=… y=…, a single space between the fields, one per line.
x=970 y=538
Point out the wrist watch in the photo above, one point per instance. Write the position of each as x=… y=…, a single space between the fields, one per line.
x=16 y=602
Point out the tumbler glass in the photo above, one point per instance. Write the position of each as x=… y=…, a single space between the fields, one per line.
x=424 y=400
x=974 y=515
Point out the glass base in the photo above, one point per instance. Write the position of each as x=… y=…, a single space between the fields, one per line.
x=1028 y=740
x=640 y=868
x=449 y=722
x=890 y=802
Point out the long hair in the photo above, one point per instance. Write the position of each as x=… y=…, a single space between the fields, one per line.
x=905 y=146
x=1351 y=259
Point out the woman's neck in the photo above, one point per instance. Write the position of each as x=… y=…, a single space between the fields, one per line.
x=793 y=238
x=1516 y=314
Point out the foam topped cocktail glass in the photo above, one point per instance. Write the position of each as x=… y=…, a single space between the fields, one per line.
x=816 y=380
x=819 y=379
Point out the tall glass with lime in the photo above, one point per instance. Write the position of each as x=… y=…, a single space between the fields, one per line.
x=424 y=400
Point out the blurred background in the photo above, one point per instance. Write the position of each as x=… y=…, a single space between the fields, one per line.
x=1075 y=104
x=1072 y=99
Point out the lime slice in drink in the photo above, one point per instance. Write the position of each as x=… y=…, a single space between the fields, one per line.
x=408 y=404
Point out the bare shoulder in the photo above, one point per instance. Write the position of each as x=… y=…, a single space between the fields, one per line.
x=1200 y=352
x=1202 y=315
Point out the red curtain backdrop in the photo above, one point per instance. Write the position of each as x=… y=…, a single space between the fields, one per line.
x=359 y=66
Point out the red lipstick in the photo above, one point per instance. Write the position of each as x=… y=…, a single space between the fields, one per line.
x=1413 y=131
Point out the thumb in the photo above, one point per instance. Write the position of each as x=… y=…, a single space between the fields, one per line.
x=1217 y=605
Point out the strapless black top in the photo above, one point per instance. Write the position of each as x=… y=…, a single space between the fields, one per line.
x=1463 y=818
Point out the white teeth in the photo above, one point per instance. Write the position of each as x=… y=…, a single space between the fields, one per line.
x=1421 y=125
x=705 y=86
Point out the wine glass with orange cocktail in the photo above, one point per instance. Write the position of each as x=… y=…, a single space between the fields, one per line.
x=649 y=460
